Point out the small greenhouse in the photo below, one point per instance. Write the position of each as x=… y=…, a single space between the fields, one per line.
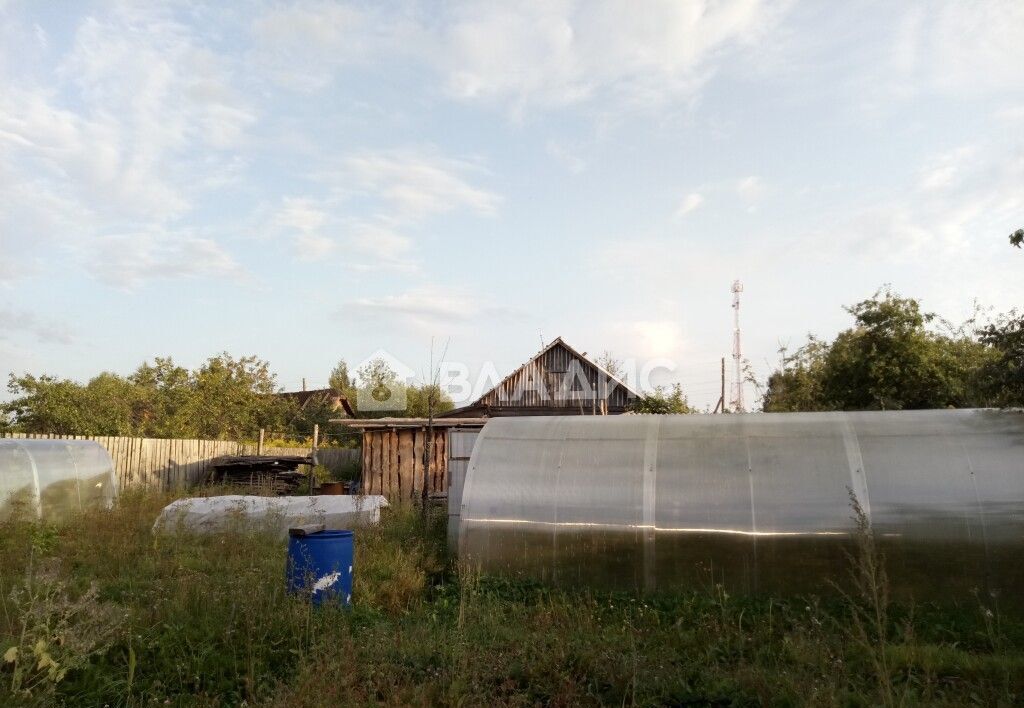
x=754 y=502
x=50 y=479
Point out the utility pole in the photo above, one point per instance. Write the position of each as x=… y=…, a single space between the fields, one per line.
x=737 y=352
x=720 y=406
x=722 y=399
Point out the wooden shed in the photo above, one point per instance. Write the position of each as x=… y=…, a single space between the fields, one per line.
x=393 y=454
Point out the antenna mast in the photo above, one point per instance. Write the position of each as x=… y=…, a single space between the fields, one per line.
x=737 y=352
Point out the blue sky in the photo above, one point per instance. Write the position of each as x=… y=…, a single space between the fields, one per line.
x=310 y=181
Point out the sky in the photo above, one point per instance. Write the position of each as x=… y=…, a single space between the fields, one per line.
x=310 y=181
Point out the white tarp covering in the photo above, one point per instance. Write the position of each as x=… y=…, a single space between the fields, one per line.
x=274 y=514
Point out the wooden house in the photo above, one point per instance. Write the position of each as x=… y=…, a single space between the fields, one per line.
x=558 y=380
x=333 y=398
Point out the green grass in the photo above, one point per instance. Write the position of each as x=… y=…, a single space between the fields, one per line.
x=132 y=620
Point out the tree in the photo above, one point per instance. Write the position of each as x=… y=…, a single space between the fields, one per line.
x=892 y=358
x=341 y=380
x=166 y=389
x=663 y=401
x=797 y=386
x=232 y=398
x=225 y=398
x=1003 y=375
x=1017 y=238
x=377 y=381
x=612 y=365
x=422 y=401
x=46 y=404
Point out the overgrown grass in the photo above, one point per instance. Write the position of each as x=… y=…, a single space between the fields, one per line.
x=128 y=619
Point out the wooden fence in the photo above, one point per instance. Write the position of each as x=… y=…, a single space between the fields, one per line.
x=167 y=463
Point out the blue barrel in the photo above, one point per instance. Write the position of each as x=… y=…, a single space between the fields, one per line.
x=320 y=566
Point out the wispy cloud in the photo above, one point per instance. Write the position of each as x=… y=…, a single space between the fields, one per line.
x=135 y=123
x=129 y=261
x=750 y=188
x=961 y=48
x=416 y=184
x=302 y=46
x=691 y=202
x=369 y=210
x=532 y=54
x=562 y=53
x=429 y=309
x=14 y=323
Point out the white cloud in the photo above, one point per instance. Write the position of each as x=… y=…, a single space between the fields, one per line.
x=128 y=261
x=960 y=48
x=14 y=322
x=313 y=246
x=416 y=184
x=544 y=53
x=424 y=303
x=301 y=214
x=690 y=203
x=301 y=46
x=379 y=246
x=318 y=229
x=565 y=157
x=963 y=204
x=560 y=53
x=429 y=309
x=945 y=170
x=131 y=126
x=303 y=220
x=401 y=190
x=750 y=188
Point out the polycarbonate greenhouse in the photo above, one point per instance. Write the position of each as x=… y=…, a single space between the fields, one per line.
x=51 y=479
x=756 y=502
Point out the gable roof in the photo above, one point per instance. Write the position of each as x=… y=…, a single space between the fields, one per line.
x=618 y=394
x=302 y=398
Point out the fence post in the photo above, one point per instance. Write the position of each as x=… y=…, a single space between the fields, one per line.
x=259 y=445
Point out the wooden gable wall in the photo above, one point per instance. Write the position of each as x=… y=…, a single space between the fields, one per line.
x=559 y=378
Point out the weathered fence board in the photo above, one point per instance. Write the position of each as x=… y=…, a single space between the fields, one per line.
x=167 y=463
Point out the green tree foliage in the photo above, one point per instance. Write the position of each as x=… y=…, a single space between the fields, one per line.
x=1003 y=375
x=231 y=398
x=224 y=398
x=377 y=380
x=1017 y=238
x=894 y=357
x=613 y=366
x=422 y=400
x=663 y=401
x=341 y=380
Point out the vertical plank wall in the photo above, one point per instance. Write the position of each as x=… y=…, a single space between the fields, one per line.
x=168 y=463
x=393 y=462
x=154 y=462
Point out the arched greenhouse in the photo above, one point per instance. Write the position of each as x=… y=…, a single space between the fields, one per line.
x=50 y=479
x=757 y=502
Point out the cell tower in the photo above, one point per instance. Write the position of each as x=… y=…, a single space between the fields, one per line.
x=737 y=351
